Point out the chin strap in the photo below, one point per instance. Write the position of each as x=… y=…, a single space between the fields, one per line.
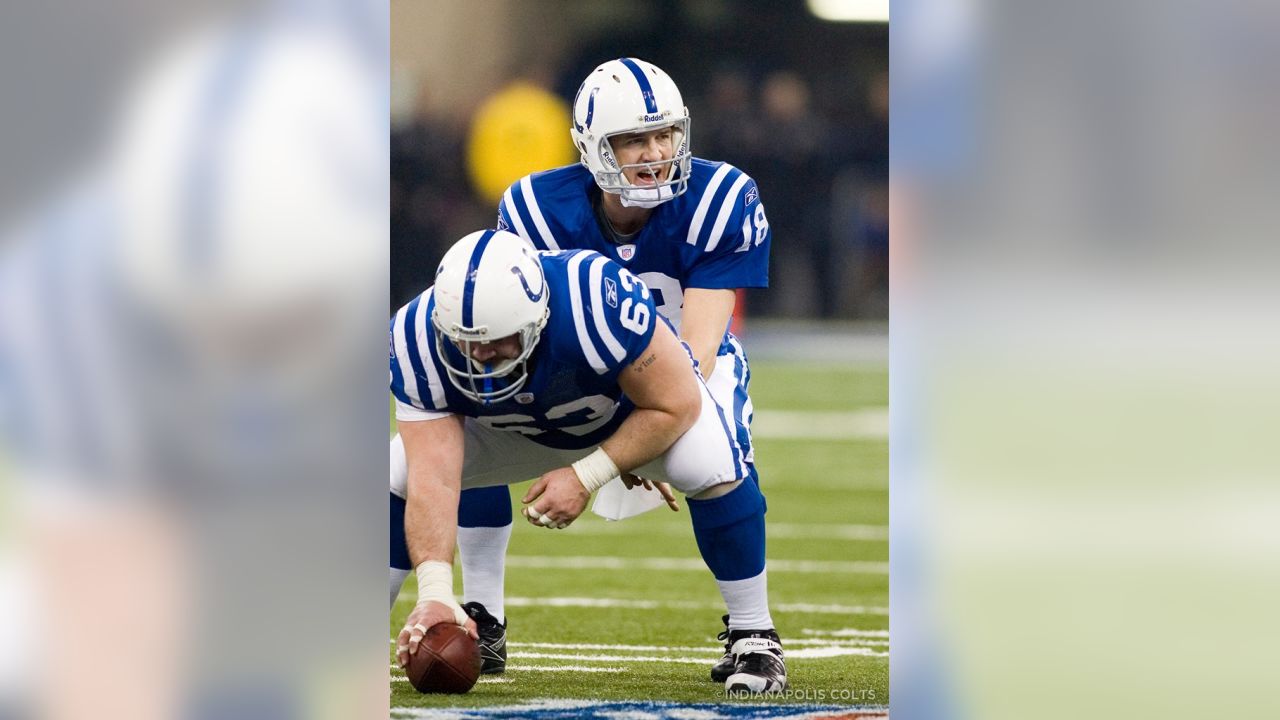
x=646 y=197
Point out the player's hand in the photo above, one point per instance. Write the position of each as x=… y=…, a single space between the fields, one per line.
x=555 y=499
x=423 y=616
x=631 y=481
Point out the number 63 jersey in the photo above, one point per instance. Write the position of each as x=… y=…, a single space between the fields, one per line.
x=713 y=236
x=601 y=320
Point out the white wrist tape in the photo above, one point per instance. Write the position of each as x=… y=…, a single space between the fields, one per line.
x=595 y=470
x=435 y=582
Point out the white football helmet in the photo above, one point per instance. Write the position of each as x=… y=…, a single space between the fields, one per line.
x=489 y=286
x=626 y=96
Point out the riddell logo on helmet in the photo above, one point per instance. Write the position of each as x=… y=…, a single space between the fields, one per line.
x=655 y=117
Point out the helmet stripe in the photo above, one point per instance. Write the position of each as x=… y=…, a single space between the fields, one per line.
x=469 y=285
x=591 y=106
x=650 y=103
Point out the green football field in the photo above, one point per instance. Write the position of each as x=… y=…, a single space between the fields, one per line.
x=626 y=610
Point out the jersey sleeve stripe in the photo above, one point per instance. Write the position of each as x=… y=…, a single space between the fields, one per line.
x=513 y=212
x=397 y=375
x=526 y=189
x=409 y=381
x=695 y=226
x=598 y=311
x=579 y=319
x=726 y=209
x=438 y=398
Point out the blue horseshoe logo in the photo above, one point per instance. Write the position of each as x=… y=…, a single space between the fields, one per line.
x=525 y=284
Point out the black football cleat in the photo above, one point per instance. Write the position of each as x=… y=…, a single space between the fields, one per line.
x=493 y=639
x=759 y=666
x=725 y=666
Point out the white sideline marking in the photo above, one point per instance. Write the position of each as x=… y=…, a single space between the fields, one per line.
x=865 y=424
x=613 y=562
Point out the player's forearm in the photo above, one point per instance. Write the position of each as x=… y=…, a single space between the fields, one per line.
x=706 y=316
x=430 y=521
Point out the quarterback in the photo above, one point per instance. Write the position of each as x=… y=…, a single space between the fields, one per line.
x=515 y=364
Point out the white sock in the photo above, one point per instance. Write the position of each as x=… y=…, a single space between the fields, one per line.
x=397 y=579
x=484 y=563
x=748 y=602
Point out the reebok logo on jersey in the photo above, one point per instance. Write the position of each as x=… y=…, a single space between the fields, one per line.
x=611 y=292
x=502 y=223
x=752 y=194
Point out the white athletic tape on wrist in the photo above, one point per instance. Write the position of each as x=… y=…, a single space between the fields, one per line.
x=435 y=582
x=595 y=470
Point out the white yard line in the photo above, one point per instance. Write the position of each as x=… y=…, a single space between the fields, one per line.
x=535 y=669
x=711 y=648
x=409 y=595
x=847 y=632
x=866 y=424
x=712 y=656
x=613 y=562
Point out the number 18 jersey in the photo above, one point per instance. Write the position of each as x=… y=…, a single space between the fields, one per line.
x=714 y=236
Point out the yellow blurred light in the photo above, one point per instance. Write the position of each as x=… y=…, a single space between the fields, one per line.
x=520 y=130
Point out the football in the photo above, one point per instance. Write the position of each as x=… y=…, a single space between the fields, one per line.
x=447 y=661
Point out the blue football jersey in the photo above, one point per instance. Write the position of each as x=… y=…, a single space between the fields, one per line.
x=715 y=235
x=601 y=319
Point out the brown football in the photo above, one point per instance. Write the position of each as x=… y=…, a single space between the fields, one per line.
x=447 y=661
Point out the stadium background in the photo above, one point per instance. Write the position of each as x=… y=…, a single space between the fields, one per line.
x=480 y=94
x=479 y=97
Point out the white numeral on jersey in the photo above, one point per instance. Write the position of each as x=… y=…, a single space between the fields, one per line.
x=635 y=316
x=762 y=224
x=668 y=296
x=628 y=282
x=761 y=229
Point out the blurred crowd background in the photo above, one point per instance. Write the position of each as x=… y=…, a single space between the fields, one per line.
x=799 y=102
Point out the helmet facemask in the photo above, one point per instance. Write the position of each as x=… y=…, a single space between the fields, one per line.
x=485 y=382
x=648 y=196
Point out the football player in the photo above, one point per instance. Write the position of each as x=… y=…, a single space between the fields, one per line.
x=692 y=229
x=514 y=365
